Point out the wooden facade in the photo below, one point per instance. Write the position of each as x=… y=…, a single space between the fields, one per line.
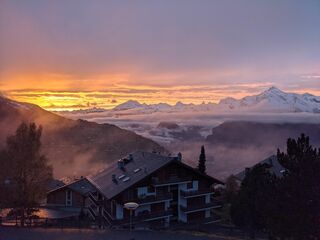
x=171 y=192
x=66 y=197
x=72 y=195
x=174 y=193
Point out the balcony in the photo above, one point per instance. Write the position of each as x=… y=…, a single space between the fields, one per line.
x=144 y=217
x=149 y=199
x=172 y=180
x=200 y=207
x=195 y=193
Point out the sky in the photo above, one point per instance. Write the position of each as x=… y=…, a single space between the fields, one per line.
x=65 y=55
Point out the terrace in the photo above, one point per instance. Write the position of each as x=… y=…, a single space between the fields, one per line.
x=195 y=193
x=200 y=207
x=149 y=199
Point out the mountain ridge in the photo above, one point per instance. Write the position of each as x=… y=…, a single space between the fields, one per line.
x=271 y=100
x=74 y=147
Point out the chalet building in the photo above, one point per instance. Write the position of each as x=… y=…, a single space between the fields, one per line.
x=271 y=163
x=166 y=189
x=72 y=196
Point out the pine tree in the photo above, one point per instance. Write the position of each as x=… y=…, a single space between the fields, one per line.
x=297 y=204
x=202 y=161
x=251 y=204
x=287 y=207
x=232 y=189
x=30 y=172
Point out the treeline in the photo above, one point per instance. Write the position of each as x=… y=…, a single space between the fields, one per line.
x=24 y=172
x=286 y=207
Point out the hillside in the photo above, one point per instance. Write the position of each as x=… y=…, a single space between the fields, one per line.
x=74 y=147
x=244 y=134
x=236 y=145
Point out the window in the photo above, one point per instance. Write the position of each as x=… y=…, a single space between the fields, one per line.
x=121 y=176
x=189 y=185
x=68 y=198
x=126 y=179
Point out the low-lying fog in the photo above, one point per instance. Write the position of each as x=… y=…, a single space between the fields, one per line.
x=186 y=132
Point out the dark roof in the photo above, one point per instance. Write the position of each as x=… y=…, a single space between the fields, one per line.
x=54 y=184
x=274 y=167
x=145 y=161
x=81 y=186
x=141 y=166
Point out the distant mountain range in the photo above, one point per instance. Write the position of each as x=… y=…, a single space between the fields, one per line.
x=233 y=140
x=73 y=146
x=275 y=100
x=272 y=100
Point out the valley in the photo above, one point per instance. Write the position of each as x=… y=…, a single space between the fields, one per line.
x=81 y=142
x=236 y=134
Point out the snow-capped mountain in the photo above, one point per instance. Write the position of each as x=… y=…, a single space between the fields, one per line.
x=271 y=100
x=131 y=104
x=135 y=105
x=274 y=100
x=84 y=111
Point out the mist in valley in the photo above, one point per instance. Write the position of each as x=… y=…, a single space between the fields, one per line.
x=78 y=148
x=228 y=152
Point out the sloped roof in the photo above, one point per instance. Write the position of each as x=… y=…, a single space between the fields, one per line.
x=81 y=186
x=145 y=161
x=272 y=161
x=142 y=165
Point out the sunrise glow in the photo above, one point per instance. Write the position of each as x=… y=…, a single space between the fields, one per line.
x=101 y=55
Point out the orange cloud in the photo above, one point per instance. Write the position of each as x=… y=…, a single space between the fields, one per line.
x=109 y=96
x=69 y=92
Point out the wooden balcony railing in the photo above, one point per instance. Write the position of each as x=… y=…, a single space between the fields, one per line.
x=170 y=180
x=186 y=193
x=200 y=207
x=149 y=199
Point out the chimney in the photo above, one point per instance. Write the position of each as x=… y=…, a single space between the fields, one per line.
x=130 y=157
x=179 y=157
x=120 y=164
x=114 y=178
